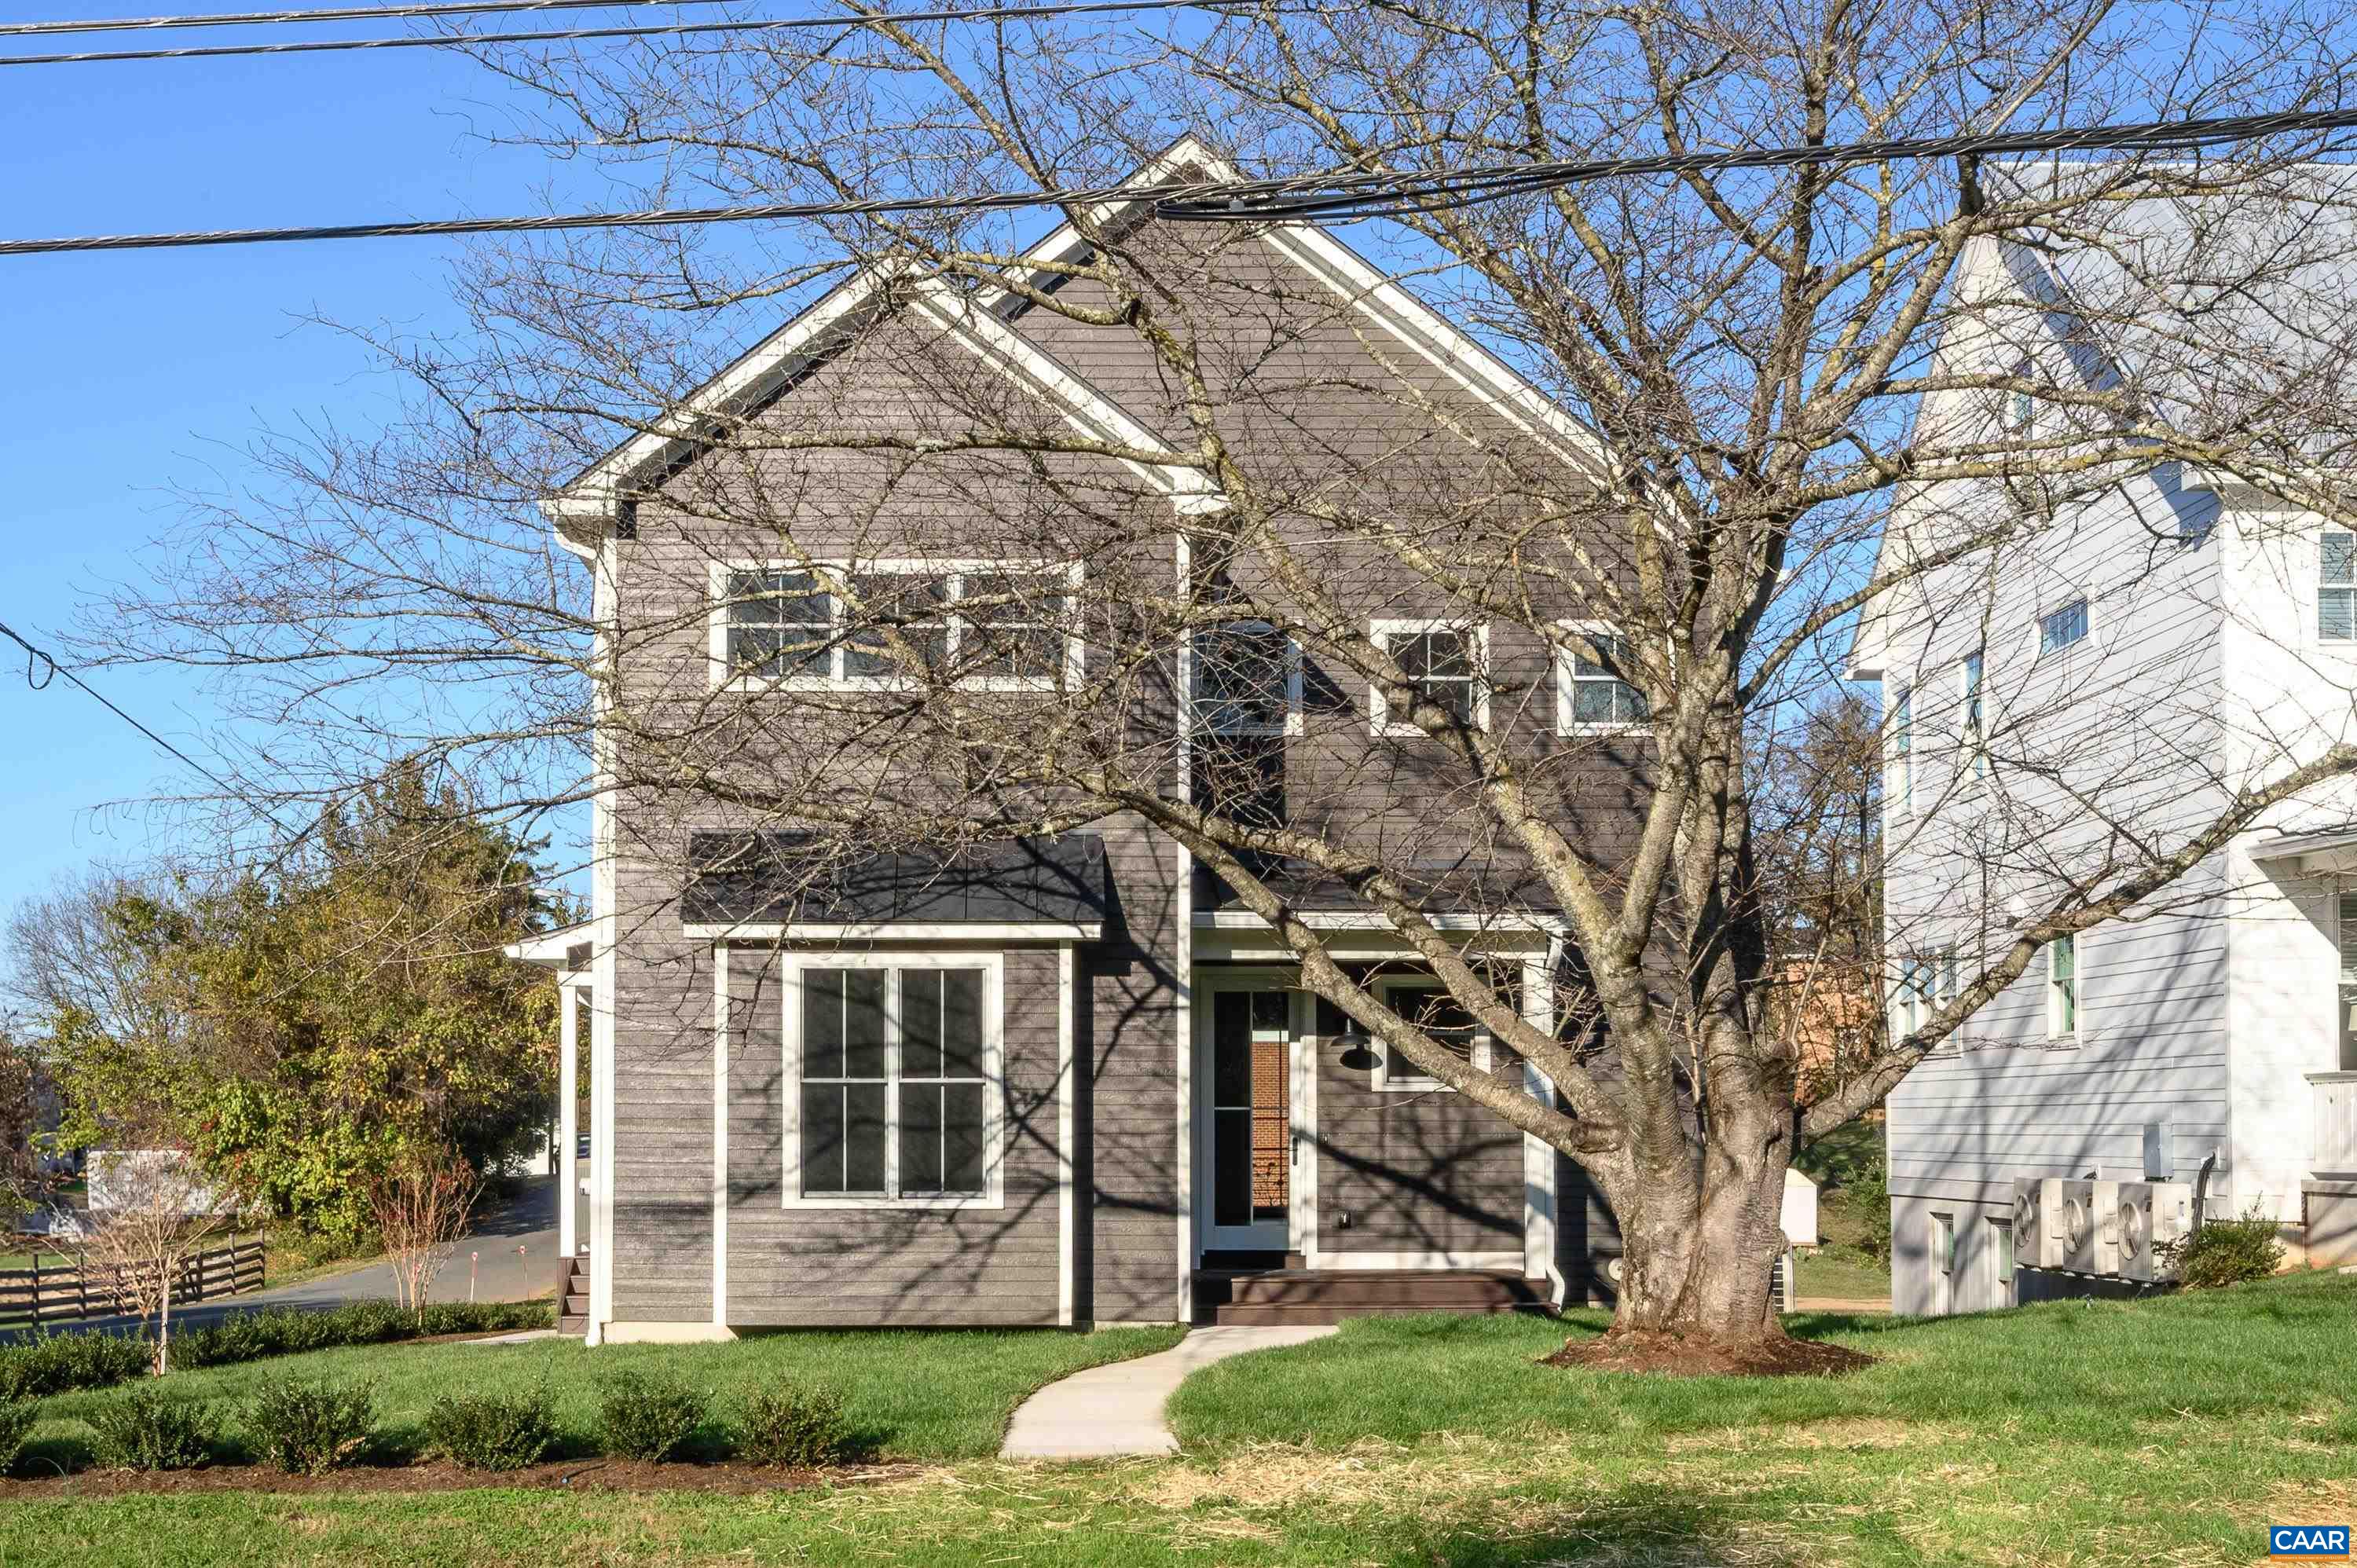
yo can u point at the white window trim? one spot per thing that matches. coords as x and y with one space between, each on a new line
1382 1081
994 1068
2054 1030
1293 684
1944 1243
1378 706
1567 676
1899 777
1972 736
2037 629
830 572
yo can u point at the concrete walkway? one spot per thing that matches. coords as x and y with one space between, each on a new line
1109 1411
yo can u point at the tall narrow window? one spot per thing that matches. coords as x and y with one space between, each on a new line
2001 1243
2347 1000
1446 662
2062 987
2060 628
1975 726
1901 786
2336 586
893 1101
1944 1242
1247 679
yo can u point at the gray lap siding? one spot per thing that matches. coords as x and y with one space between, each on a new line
1411 1173
892 1265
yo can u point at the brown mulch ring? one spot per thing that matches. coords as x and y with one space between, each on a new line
1686 1356
575 1475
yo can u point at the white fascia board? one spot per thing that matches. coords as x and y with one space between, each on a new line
1364 921
902 931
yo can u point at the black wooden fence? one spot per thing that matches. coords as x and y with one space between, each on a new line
60 1287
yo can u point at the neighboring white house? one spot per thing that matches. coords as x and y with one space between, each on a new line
2068 703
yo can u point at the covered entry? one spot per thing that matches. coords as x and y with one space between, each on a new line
1254 1113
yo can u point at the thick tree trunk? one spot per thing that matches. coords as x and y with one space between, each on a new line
1699 1258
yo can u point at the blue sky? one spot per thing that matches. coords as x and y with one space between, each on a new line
131 374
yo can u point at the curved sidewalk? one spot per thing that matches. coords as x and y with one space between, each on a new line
1110 1412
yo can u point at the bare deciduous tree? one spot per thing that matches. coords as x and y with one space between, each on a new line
421 1208
152 1210
1762 368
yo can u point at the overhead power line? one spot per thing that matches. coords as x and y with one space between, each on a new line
1258 200
646 30
340 14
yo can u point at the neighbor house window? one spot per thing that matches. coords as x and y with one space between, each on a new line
1943 1243
1446 661
1591 694
1910 998
2336 586
2060 630
1900 787
1247 679
2020 404
2001 1242
1428 1005
1975 725
2062 987
895 1074
987 625
2346 998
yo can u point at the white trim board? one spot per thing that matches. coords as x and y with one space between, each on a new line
899 931
1406 1260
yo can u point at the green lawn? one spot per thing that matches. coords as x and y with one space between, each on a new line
2164 1431
910 1395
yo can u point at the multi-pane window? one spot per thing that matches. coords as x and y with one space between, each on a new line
1944 1242
2336 586
1975 725
1595 693
2060 628
1247 679
1443 1020
2001 1242
1444 663
1901 786
2345 1000
1910 999
2062 987
985 624
895 1083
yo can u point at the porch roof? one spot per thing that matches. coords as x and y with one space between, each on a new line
2325 851
793 879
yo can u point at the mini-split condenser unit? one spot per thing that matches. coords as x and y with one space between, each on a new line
2091 1227
2037 1223
2152 1216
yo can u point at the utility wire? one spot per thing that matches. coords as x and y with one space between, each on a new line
56 669
1260 200
342 14
649 30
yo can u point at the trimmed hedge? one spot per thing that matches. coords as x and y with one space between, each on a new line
643 1417
309 1429
803 1428
493 1432
149 1431
57 1363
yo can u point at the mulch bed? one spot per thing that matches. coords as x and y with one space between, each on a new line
571 1475
1682 1356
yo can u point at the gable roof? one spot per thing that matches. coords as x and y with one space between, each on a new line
982 323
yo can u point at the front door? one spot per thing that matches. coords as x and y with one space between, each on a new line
1244 1114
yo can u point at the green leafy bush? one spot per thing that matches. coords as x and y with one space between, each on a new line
2226 1251
49 1363
493 1432
309 1429
648 1418
145 1430
800 1428
16 1425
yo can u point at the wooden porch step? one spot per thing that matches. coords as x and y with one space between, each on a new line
1328 1295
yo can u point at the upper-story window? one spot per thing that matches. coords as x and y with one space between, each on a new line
1591 694
2062 987
1247 679
2020 403
1449 662
1975 725
989 626
2336 586
2057 629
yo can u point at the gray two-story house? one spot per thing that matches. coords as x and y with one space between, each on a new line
842 1072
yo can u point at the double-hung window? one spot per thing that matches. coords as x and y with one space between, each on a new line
2062 987
2336 586
1447 661
1910 999
1591 693
990 625
894 1076
1430 1005
1973 726
2057 629
1247 679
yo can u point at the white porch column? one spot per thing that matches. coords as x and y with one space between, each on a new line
1538 1155
568 1119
